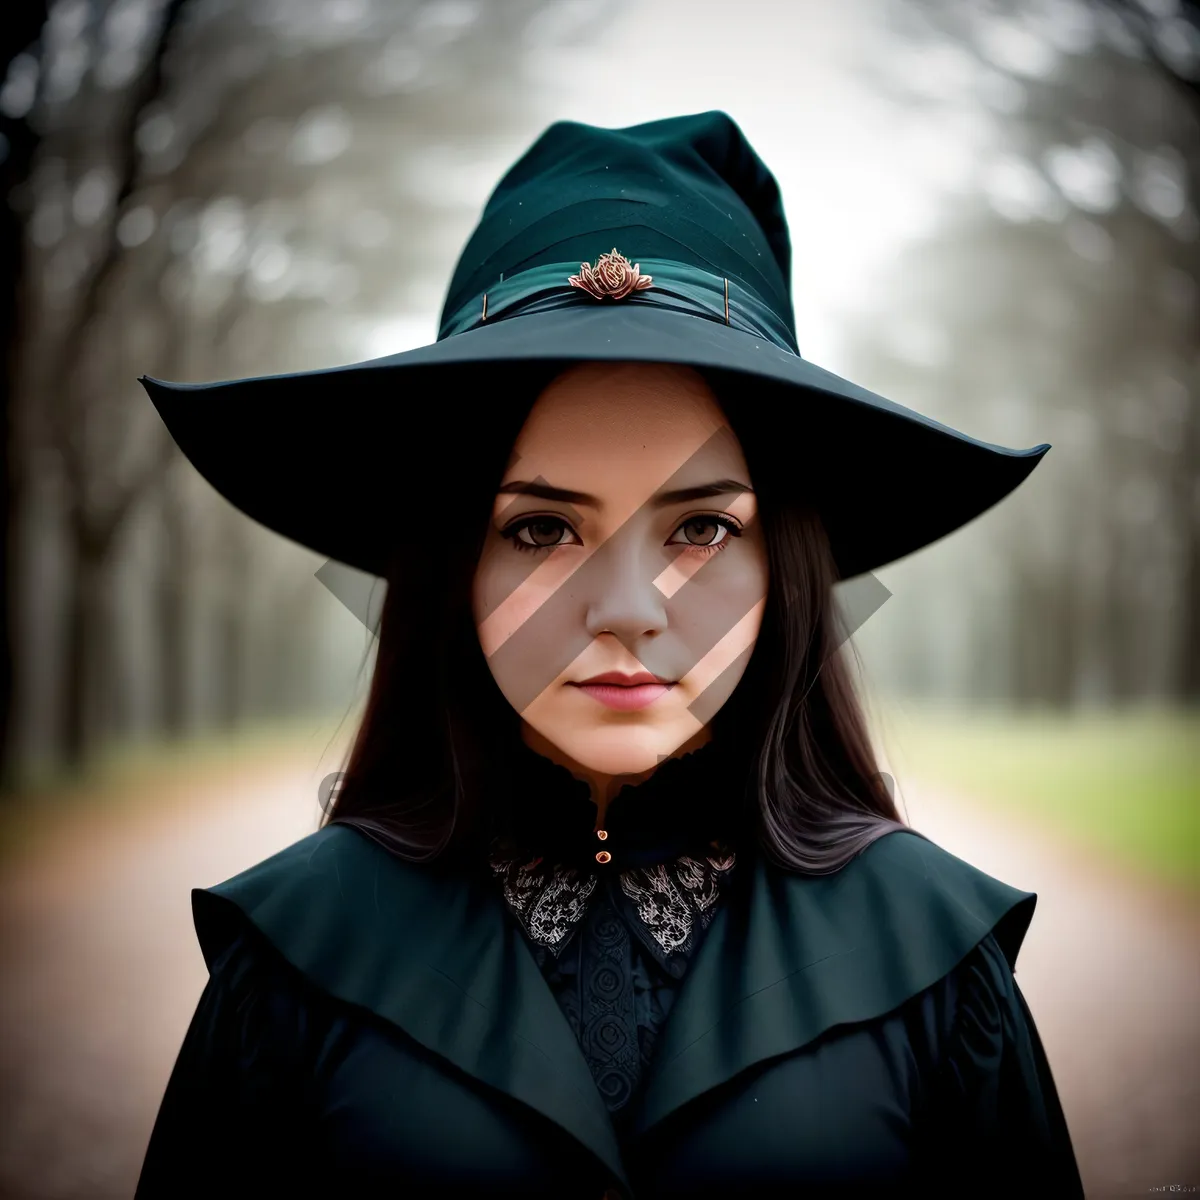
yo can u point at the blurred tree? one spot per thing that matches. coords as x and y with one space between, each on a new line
224 190
72 388
1168 35
20 50
1058 302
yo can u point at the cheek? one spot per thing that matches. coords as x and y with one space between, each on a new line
510 589
716 614
528 620
717 673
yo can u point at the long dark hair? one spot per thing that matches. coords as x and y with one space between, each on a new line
416 779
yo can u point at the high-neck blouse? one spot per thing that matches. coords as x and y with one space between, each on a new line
613 916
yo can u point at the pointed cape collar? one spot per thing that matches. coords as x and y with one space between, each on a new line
689 802
429 948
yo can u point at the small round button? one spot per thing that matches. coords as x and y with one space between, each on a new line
602 834
603 856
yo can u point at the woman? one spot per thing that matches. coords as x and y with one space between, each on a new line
614 900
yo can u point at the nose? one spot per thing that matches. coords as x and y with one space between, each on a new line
623 599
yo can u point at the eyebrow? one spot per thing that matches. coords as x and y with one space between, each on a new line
545 491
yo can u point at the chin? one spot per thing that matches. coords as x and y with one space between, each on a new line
628 750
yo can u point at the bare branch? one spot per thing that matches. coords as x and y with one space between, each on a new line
1141 25
146 89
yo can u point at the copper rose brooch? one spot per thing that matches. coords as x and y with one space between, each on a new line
613 277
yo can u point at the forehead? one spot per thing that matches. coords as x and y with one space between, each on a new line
617 421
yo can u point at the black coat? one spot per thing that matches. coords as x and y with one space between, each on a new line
373 1028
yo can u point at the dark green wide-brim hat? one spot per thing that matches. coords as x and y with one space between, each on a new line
323 457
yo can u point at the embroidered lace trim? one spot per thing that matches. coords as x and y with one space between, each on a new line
674 901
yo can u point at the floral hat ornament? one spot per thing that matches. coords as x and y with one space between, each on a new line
316 455
613 277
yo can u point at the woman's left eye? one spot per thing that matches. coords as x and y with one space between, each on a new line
705 533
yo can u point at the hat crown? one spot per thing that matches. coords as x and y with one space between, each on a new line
690 189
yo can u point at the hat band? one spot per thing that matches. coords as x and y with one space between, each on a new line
676 287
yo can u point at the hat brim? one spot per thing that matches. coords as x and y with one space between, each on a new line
305 454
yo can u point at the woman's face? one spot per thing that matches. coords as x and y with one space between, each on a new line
623 578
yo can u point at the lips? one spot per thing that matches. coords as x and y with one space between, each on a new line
619 679
625 693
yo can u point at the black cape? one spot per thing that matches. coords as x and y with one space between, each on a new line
372 1027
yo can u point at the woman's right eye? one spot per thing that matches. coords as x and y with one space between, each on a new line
538 533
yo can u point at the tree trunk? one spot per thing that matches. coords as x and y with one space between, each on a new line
20 28
1189 642
174 716
86 633
174 611
1188 674
232 645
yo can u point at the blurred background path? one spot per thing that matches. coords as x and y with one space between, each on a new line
1111 971
100 970
100 973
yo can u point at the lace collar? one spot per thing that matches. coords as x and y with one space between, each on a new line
669 845
668 905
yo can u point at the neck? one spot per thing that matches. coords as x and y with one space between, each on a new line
603 786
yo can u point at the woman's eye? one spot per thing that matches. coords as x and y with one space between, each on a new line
704 532
541 533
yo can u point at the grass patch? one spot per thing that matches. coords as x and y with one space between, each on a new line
1126 783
